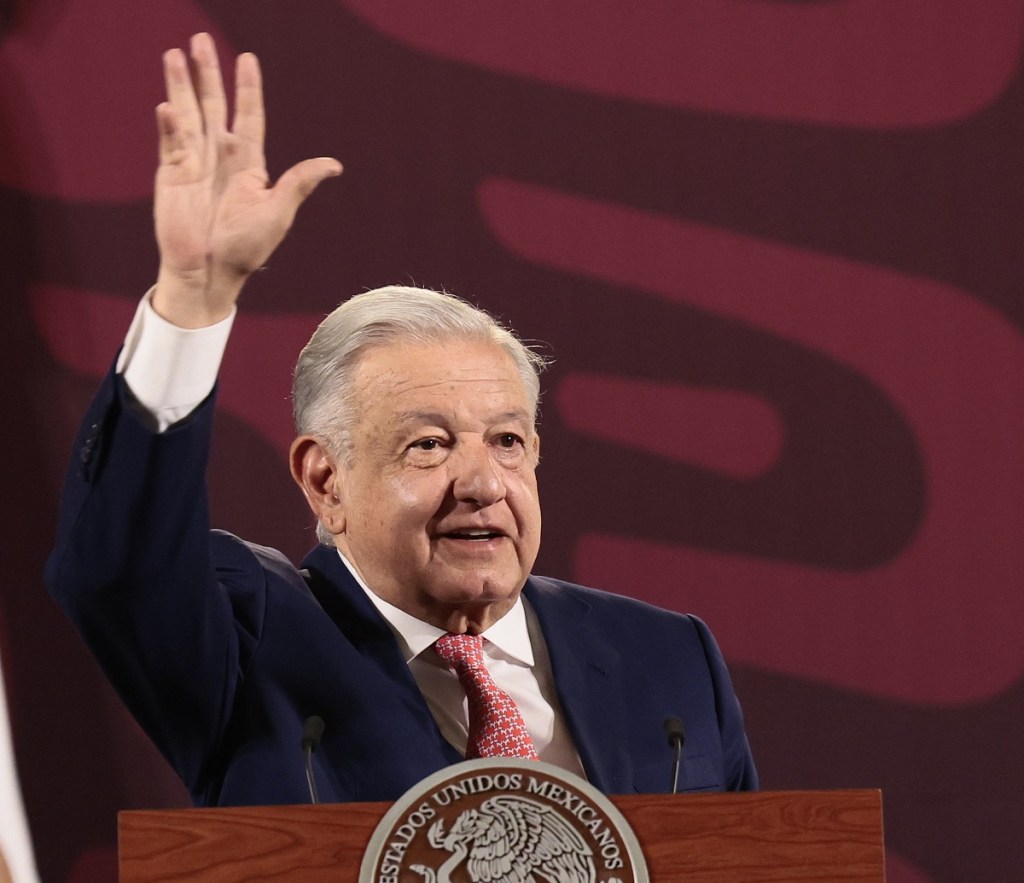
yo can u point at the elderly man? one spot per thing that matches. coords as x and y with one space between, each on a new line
417 452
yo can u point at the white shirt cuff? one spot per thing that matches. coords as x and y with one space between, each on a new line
170 370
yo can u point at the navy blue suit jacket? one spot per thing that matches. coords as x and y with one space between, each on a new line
221 648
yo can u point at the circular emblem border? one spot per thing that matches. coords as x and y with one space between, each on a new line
408 802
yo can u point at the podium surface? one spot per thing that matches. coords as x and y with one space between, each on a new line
689 838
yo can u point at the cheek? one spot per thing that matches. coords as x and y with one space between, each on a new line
524 498
382 505
417 496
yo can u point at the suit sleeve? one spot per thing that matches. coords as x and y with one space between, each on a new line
737 760
133 568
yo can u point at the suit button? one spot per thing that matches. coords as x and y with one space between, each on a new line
89 445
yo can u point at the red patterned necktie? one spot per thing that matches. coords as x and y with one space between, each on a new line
496 727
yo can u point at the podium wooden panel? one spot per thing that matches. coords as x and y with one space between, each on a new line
689 838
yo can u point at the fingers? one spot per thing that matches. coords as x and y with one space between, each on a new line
208 85
181 97
250 119
171 145
198 103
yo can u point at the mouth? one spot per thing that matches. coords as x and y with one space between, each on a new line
474 535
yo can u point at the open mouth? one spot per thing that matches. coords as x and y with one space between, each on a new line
481 535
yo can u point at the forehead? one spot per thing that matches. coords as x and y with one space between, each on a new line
402 377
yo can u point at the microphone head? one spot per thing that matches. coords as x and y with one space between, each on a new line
312 732
674 732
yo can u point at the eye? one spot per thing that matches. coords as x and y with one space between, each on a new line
509 440
426 444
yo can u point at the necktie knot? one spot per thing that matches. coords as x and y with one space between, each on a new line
461 652
496 726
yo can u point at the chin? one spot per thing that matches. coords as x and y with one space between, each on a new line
479 589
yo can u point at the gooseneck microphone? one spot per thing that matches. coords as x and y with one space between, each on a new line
676 736
312 733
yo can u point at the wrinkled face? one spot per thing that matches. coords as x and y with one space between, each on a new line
439 497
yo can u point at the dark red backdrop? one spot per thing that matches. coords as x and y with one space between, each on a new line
776 250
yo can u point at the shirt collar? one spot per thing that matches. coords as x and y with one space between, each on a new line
509 634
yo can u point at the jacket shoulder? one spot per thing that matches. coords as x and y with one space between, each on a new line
618 611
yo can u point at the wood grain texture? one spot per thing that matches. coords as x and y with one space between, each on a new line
712 838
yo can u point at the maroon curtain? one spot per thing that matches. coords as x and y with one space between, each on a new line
775 248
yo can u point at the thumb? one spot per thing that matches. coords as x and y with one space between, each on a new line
301 180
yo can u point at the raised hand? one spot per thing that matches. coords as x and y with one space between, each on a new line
217 217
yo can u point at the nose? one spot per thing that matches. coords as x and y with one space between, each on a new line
476 478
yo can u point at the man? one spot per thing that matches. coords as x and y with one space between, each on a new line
417 452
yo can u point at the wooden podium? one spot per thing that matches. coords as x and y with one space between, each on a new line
689 838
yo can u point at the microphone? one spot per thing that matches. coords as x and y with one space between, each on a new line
676 736
312 733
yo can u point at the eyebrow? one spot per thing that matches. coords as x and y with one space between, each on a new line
407 418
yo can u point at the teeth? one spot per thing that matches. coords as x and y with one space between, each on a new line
474 534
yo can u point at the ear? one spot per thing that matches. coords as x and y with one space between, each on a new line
318 475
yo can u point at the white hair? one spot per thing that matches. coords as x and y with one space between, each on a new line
322 388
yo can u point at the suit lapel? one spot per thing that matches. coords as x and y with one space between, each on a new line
589 684
345 602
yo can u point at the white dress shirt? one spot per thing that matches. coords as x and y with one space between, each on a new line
170 370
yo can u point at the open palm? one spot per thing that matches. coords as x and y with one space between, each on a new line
217 217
